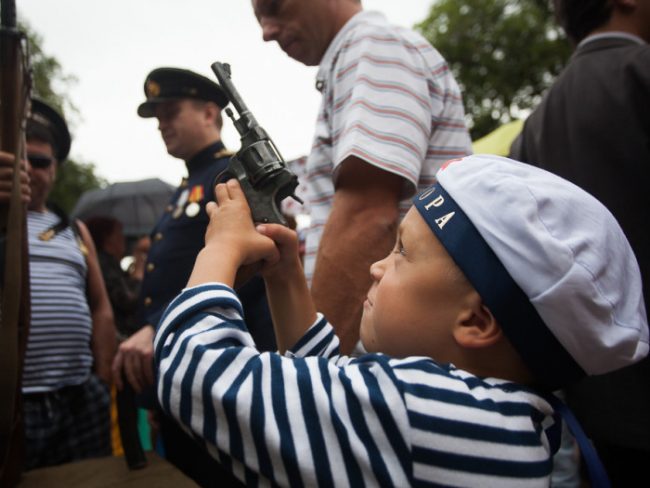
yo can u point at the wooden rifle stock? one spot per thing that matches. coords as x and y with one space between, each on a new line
14 270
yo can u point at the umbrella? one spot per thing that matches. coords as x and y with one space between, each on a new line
136 204
499 140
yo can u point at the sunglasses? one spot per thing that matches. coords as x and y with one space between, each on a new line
39 161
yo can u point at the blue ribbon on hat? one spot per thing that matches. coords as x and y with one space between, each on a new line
551 364
597 473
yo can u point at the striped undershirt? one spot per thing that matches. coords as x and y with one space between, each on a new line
388 98
58 348
313 418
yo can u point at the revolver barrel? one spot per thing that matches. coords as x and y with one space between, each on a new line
258 165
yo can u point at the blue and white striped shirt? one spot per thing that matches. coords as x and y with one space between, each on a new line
314 418
58 347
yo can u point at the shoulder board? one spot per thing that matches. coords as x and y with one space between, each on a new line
223 153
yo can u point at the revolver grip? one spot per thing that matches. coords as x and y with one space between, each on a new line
264 202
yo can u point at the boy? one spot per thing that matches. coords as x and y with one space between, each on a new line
490 296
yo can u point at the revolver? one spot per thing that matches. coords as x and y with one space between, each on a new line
262 173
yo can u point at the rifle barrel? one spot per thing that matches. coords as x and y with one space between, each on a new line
8 14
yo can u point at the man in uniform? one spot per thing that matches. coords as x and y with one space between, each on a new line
188 108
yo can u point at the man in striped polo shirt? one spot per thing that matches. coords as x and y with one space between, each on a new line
391 114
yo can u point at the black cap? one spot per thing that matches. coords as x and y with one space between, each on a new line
164 84
45 122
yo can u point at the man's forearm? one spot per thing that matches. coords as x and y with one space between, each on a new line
351 242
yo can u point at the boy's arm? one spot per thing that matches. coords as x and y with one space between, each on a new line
290 301
291 420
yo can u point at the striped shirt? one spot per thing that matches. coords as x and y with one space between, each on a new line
388 98
314 418
58 347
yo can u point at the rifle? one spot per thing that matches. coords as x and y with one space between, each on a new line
262 173
15 85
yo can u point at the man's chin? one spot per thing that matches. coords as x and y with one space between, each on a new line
294 52
172 151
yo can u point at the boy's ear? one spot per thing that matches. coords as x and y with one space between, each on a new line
476 327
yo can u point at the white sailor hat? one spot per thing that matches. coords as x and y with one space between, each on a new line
548 259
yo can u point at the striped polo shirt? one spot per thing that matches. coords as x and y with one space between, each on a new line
314 418
58 347
388 98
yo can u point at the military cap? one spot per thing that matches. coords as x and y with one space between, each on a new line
46 123
164 84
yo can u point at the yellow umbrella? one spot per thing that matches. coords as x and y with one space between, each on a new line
499 140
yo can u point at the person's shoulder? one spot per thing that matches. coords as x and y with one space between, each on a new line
377 38
375 27
638 57
624 51
630 59
420 370
223 153
213 164
220 160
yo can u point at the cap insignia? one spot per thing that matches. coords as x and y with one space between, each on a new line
152 89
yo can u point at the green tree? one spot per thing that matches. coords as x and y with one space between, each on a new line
75 177
46 71
72 180
504 54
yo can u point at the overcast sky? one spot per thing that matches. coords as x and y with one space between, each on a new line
110 46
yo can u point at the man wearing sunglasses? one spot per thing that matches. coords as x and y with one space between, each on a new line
66 375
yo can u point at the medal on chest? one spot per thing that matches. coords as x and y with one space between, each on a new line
180 203
194 207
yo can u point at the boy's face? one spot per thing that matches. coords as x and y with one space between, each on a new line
418 295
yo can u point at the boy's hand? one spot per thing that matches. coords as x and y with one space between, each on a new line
231 240
231 227
286 240
6 178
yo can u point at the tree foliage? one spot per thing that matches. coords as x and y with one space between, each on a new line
50 83
72 179
503 53
47 72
